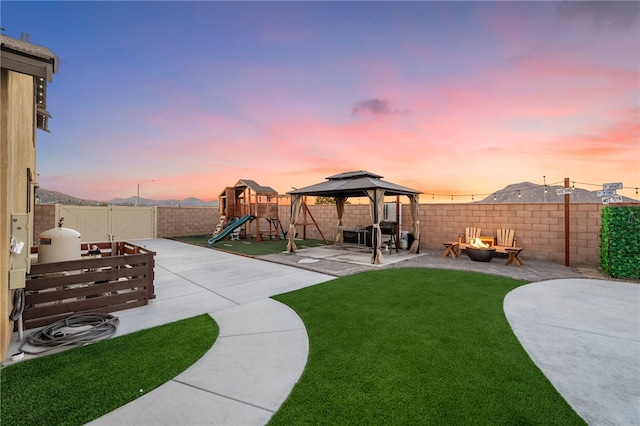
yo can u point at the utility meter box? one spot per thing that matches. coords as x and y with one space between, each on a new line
17 278
20 252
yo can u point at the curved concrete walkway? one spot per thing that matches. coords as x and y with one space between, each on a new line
257 359
260 352
585 337
583 334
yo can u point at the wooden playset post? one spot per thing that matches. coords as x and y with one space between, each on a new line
305 212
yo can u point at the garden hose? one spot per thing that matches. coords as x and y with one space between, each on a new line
18 305
91 328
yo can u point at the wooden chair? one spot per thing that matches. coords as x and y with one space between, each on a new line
469 234
505 238
508 244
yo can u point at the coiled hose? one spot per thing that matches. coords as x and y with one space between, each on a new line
18 304
92 327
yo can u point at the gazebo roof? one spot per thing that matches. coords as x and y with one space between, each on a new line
353 184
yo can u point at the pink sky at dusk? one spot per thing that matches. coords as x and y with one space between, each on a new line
450 98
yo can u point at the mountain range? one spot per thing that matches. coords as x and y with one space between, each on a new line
527 192
524 192
187 202
46 196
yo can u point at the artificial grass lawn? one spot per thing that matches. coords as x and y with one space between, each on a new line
82 384
416 346
249 247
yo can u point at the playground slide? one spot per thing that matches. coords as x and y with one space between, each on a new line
229 229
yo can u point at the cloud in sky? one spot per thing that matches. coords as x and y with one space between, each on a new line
287 93
601 13
374 107
371 107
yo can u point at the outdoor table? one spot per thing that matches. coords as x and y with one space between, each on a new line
361 234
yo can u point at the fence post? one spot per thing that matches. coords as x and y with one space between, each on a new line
567 227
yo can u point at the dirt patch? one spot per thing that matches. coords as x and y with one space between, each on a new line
595 272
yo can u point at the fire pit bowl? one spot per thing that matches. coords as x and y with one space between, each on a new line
481 254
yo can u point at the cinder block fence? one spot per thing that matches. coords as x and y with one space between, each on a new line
539 227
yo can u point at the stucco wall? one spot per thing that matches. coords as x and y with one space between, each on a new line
17 156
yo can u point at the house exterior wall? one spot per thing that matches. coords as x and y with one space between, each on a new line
17 159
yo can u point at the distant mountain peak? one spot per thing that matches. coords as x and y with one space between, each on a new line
527 192
46 196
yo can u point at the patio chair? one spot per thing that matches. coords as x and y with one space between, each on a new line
235 234
506 238
470 233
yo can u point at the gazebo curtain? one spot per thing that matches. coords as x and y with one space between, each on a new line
415 210
340 202
296 204
376 202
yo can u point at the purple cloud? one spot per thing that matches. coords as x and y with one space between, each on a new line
374 106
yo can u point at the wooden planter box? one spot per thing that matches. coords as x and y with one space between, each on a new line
121 277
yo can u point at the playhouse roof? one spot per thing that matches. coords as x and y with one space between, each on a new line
255 187
353 184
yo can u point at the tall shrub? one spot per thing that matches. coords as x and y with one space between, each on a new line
620 241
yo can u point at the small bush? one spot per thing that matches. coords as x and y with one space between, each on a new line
620 241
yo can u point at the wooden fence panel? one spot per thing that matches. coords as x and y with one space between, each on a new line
121 279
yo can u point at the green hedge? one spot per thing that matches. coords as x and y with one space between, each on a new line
620 241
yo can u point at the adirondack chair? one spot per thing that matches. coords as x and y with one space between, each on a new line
505 238
469 234
507 243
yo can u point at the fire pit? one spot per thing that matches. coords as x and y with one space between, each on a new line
481 254
479 251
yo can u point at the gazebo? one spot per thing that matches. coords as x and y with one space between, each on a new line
351 185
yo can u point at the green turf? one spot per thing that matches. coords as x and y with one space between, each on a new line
416 347
249 247
82 384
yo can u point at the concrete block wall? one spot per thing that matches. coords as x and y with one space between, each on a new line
186 221
44 218
539 227
326 217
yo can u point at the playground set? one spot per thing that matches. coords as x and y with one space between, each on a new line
248 210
